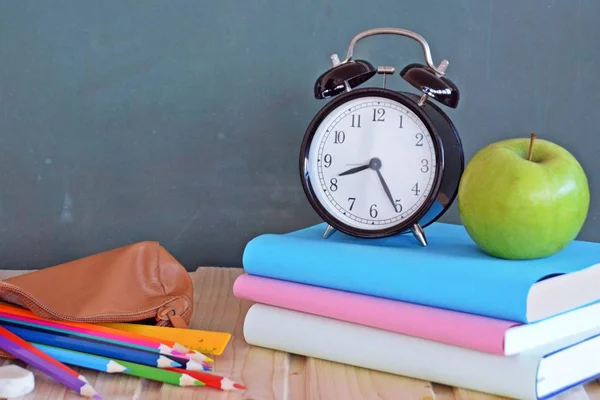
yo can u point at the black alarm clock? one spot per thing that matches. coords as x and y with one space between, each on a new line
375 162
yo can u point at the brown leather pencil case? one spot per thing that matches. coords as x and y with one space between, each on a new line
140 282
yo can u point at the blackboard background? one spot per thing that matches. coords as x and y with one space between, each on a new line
180 121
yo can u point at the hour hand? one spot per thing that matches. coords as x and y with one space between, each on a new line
355 170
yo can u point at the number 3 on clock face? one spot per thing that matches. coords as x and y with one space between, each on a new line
371 164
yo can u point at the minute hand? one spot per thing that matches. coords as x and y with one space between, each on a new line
386 188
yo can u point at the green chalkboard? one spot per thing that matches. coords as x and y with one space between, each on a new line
181 121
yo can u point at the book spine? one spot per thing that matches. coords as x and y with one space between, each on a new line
367 347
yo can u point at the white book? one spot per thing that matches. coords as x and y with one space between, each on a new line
535 374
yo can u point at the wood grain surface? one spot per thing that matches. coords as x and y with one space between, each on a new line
268 374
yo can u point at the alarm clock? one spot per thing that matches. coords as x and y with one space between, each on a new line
376 162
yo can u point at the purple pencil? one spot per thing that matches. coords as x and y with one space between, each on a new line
19 348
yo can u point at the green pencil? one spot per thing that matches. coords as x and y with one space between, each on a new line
159 374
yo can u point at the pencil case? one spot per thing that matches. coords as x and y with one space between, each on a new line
139 283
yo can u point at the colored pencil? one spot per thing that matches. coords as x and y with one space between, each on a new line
54 361
84 360
164 346
211 380
161 375
91 347
19 348
86 333
185 362
58 327
190 365
164 334
98 363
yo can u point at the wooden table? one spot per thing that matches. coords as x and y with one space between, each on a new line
268 374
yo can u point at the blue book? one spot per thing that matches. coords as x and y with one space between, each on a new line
451 272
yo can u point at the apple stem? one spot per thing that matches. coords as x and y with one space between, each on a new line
530 154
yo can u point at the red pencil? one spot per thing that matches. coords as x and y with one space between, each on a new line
211 380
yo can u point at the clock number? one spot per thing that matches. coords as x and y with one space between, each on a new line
425 165
355 121
327 160
378 114
416 189
373 211
340 136
352 200
419 136
401 121
398 206
333 187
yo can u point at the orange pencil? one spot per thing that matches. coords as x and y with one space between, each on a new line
158 343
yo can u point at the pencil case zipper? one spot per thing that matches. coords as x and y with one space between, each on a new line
164 314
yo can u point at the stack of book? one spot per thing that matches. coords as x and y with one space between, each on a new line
445 313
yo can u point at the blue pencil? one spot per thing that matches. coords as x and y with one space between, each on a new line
76 358
91 347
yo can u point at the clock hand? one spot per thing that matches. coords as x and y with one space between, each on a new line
386 188
355 170
375 164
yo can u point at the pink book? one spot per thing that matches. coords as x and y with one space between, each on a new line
476 332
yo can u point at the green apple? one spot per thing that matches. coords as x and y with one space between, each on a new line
523 198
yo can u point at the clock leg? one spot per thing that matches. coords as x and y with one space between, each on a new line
328 232
419 234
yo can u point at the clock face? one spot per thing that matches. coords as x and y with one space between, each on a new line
372 163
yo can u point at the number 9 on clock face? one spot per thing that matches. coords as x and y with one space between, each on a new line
371 164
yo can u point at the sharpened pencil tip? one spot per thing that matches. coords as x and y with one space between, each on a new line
165 362
88 391
177 353
114 366
164 348
186 380
201 357
180 347
228 384
192 365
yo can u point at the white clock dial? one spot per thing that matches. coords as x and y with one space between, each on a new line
360 144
